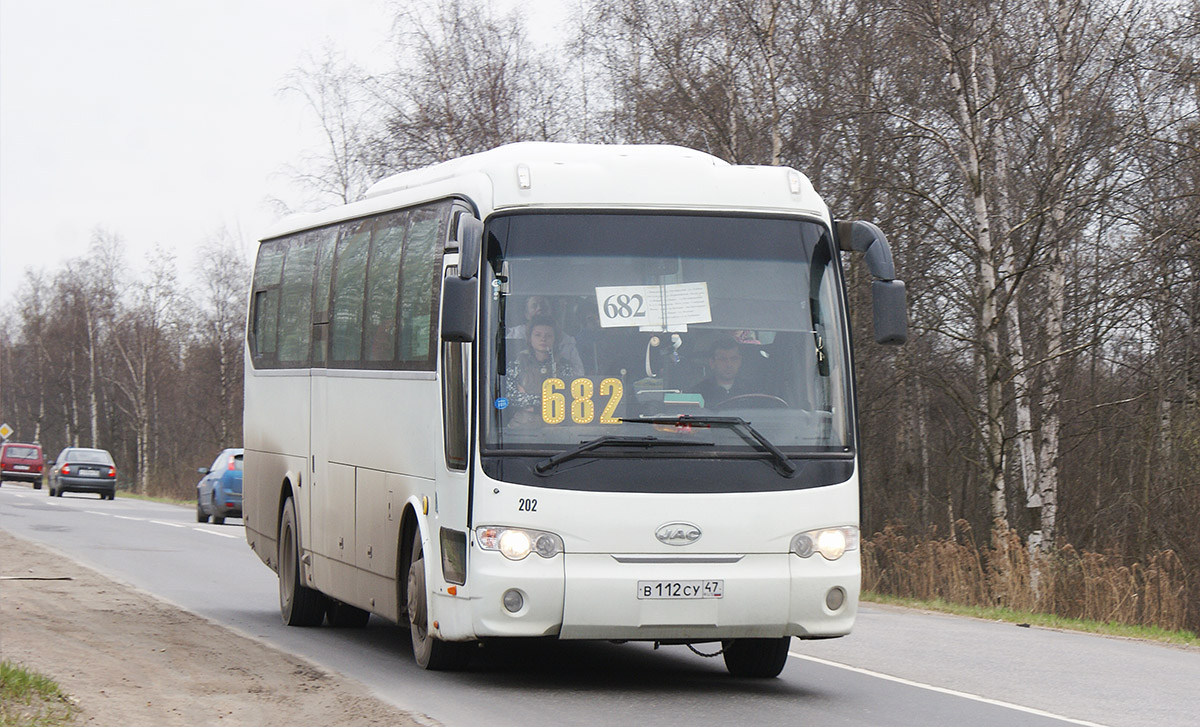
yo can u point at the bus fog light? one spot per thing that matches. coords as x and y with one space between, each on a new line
513 600
835 599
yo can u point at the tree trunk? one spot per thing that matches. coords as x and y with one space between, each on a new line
93 404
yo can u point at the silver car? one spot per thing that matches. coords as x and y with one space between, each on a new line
84 470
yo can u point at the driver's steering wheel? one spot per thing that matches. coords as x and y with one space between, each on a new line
753 401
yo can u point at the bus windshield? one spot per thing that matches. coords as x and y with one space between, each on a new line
595 323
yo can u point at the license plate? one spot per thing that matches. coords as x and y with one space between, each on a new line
20 466
88 473
680 589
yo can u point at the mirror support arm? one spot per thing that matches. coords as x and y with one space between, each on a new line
887 293
865 237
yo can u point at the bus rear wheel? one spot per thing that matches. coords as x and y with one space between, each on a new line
756 658
298 604
429 651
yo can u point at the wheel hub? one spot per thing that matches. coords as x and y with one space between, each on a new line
417 613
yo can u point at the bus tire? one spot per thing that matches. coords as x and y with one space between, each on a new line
756 658
429 651
298 604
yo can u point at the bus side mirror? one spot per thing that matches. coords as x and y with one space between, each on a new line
470 245
890 311
888 295
460 302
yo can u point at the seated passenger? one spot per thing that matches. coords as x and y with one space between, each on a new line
724 364
538 306
531 367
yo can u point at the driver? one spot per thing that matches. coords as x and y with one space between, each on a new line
724 364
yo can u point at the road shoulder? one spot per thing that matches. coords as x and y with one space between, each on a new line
128 658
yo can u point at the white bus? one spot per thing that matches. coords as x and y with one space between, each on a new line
572 391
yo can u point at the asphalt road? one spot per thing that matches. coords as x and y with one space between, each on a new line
899 667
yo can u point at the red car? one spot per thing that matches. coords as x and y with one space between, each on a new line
21 462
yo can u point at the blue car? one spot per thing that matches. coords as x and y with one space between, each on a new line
219 493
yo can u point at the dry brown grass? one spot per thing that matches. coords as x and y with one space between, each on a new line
1067 583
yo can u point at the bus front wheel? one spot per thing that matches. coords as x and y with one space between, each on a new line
756 658
298 604
429 651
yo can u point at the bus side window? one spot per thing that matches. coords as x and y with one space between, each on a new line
265 317
383 279
266 312
421 286
326 240
454 400
295 303
349 283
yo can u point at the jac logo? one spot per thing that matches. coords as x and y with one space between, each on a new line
678 533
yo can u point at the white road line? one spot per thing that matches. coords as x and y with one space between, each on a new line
164 522
97 512
944 690
126 517
214 532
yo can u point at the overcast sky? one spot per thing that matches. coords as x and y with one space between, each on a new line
160 121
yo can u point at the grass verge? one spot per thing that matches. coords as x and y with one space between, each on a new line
155 498
1045 620
29 699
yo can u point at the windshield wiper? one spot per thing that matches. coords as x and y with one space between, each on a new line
785 465
550 463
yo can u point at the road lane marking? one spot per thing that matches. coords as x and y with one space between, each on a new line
97 512
126 517
172 525
944 690
214 532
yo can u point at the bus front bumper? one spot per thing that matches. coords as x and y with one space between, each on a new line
603 596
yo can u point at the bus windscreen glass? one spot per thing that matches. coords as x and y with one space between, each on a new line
594 321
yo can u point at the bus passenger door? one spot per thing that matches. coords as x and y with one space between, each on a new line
453 487
453 482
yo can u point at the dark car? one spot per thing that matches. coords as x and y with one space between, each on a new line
219 492
22 462
84 470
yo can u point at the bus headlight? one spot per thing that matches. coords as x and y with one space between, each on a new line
518 543
831 543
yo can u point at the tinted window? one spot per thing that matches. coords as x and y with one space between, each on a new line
349 281
420 287
265 314
383 279
364 292
295 300
97 456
